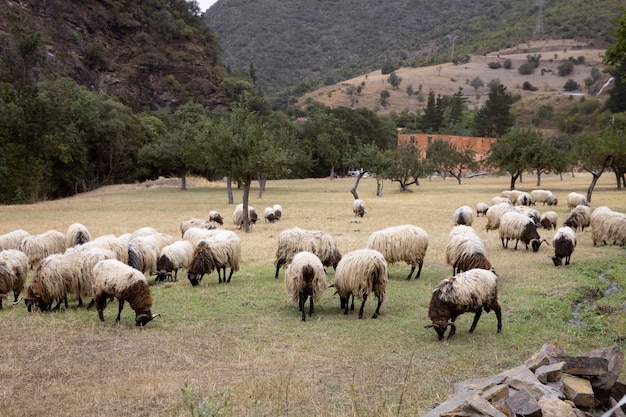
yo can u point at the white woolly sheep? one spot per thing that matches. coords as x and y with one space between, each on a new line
13 273
481 208
523 199
39 246
514 225
172 258
269 215
501 200
77 234
49 283
470 291
575 199
494 213
406 243
579 218
530 213
278 211
548 220
144 251
195 222
511 195
113 243
463 215
465 250
543 196
238 215
294 240
216 253
12 239
358 207
196 234
305 278
564 242
216 217
360 273
114 279
607 225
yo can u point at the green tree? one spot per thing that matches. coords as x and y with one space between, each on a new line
616 54
543 158
443 157
509 152
432 120
394 80
384 98
409 90
494 119
476 83
370 159
405 166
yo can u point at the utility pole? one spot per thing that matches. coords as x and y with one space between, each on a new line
453 39
539 24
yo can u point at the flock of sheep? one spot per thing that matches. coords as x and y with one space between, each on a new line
116 267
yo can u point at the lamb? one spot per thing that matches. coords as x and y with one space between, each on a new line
465 250
579 218
195 222
278 211
217 253
294 240
517 226
494 213
543 196
13 273
548 220
238 215
269 215
358 274
172 258
463 215
39 246
305 279
406 243
481 208
12 239
114 279
216 217
358 207
608 225
564 242
77 234
470 291
575 199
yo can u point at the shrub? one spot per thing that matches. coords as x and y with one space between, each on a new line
526 68
566 68
571 85
508 64
528 86
494 65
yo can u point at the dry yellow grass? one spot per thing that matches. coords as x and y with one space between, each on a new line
245 339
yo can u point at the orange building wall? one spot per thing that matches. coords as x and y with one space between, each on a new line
480 146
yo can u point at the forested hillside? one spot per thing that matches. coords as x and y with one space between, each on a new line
298 45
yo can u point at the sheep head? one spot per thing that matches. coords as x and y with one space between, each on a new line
557 261
34 298
144 317
194 278
441 329
536 243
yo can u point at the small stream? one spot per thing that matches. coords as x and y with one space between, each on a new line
611 287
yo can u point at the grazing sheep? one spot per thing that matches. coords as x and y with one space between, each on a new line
548 220
12 239
294 240
575 199
494 213
39 246
13 273
564 242
358 274
278 211
114 279
481 208
514 225
172 258
145 250
194 222
113 243
269 215
465 250
305 279
49 283
470 291
608 225
512 195
196 234
463 215
543 196
358 207
77 234
216 217
216 253
406 243
523 199
530 213
579 218
501 200
238 215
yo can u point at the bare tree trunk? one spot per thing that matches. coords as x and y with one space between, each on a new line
246 194
538 178
596 176
183 179
353 189
229 190
262 182
379 187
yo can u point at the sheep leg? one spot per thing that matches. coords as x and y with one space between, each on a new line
352 305
301 302
279 264
362 306
567 259
80 302
516 242
229 276
91 303
505 246
411 273
377 309
498 311
310 306
119 312
476 317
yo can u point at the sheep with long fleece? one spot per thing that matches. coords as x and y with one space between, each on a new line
113 243
49 283
269 214
481 208
77 234
12 239
575 199
195 222
514 225
579 218
172 258
358 207
360 273
463 215
467 292
114 279
278 211
144 251
607 225
196 234
295 239
523 199
564 242
39 246
407 243
216 217
543 196
512 195
549 219
305 278
13 273
465 250
494 213
238 215
217 253
501 200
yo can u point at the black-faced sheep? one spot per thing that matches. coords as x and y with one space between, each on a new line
463 215
465 250
358 207
305 279
278 211
39 246
543 196
514 225
470 291
195 222
216 217
172 258
295 239
608 225
360 273
216 253
548 220
481 208
269 215
403 243
575 199
579 218
13 273
238 215
114 279
523 199
564 242
12 239
77 234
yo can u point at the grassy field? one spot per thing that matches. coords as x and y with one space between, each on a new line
241 349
